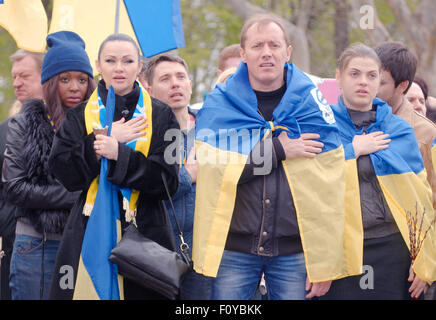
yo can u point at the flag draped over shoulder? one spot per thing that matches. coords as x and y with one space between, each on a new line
26 22
97 277
227 129
401 174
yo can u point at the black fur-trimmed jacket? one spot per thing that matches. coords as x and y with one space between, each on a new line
28 184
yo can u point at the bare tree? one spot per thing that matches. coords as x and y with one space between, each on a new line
418 32
341 26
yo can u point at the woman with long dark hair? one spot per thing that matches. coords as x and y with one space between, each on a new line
44 203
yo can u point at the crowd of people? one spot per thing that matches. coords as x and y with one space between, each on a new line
308 193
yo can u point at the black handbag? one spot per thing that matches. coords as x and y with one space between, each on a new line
149 264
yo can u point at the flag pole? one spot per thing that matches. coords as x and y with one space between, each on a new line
117 17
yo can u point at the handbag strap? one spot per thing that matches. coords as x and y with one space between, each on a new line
184 247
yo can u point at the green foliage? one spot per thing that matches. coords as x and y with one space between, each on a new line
7 96
208 27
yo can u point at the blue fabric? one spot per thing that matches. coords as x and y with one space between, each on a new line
101 230
157 25
240 273
25 275
66 53
403 154
231 108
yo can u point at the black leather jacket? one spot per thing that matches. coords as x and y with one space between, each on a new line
264 220
27 182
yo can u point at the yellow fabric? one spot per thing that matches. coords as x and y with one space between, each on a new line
321 216
92 120
328 241
26 22
215 200
84 288
403 192
93 20
353 222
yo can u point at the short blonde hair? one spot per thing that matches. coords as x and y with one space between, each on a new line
21 54
263 19
231 51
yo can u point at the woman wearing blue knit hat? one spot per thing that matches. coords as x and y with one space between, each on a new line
44 203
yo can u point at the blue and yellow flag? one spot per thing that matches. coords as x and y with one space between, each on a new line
162 30
227 129
401 174
97 277
155 25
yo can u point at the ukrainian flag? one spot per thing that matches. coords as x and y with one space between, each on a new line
227 129
401 175
97 277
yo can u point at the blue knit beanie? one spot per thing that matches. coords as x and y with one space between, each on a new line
66 53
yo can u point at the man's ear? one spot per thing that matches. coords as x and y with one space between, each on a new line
403 86
289 52
242 54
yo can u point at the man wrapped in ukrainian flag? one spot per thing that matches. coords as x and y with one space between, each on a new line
259 207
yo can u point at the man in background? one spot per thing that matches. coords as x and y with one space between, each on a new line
398 71
168 80
26 75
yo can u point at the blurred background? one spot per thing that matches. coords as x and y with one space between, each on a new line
319 29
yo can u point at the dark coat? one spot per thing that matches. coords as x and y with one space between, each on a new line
7 223
7 210
27 182
74 162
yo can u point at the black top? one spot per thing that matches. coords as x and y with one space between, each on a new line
376 215
264 220
74 162
268 101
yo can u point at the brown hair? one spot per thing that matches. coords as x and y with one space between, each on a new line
356 50
399 61
153 62
231 51
422 84
53 101
262 20
119 37
21 54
